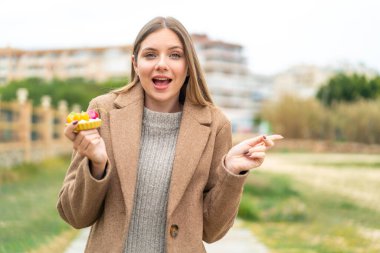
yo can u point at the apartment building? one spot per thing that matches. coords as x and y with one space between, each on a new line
305 80
97 64
229 80
300 80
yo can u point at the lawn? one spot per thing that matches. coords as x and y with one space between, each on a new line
315 203
295 203
28 217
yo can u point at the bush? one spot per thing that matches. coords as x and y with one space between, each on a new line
358 122
299 118
309 119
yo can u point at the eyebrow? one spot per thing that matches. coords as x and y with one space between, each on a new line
154 49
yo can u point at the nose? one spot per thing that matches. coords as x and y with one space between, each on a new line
161 63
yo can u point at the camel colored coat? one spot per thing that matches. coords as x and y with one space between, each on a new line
203 196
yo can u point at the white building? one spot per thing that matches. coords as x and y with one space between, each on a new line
91 63
228 79
300 80
305 80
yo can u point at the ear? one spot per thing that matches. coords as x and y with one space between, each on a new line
134 62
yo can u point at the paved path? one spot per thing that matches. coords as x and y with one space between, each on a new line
237 240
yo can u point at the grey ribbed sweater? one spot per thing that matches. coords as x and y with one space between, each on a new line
146 232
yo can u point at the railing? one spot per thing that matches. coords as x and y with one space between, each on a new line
30 133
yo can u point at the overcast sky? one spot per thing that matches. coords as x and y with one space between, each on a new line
276 34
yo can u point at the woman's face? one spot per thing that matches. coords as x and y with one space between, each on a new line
162 68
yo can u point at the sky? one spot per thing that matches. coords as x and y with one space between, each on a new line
275 34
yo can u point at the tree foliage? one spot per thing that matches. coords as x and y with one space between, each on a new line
349 88
74 91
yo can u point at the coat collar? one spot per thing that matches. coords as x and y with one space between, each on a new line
126 125
136 95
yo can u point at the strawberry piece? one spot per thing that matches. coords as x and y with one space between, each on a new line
93 114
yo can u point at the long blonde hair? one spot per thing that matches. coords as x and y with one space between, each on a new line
195 87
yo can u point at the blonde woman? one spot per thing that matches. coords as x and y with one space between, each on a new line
159 175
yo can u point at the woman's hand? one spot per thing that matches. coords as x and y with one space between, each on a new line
249 154
89 143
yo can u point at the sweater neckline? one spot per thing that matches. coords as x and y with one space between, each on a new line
162 120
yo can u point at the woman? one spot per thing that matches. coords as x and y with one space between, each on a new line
160 174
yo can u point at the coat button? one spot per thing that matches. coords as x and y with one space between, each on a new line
174 230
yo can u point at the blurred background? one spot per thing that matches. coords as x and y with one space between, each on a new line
309 70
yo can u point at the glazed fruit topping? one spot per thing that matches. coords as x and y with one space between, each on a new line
86 116
93 114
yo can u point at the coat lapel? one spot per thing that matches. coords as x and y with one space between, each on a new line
125 124
192 139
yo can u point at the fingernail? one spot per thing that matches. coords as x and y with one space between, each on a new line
75 122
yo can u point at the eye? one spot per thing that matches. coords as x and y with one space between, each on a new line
150 55
175 56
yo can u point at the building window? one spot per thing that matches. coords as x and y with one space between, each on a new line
7 115
6 135
34 135
36 119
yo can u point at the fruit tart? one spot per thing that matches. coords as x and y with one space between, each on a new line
86 120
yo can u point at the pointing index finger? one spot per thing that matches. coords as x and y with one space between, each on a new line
269 140
275 137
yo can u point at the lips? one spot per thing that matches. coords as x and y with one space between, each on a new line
161 83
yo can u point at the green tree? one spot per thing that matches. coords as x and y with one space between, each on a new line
74 91
349 88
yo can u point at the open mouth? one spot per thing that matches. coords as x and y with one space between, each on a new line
161 83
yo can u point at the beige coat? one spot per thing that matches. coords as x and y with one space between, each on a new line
203 196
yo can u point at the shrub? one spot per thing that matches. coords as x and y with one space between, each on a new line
358 122
299 118
309 119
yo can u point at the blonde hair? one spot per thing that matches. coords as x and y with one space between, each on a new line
195 87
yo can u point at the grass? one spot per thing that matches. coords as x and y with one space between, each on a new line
274 195
299 203
28 195
58 243
360 185
357 165
290 215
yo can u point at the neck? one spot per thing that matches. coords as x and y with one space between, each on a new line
175 106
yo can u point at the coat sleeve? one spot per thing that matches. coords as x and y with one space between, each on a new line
223 191
81 198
